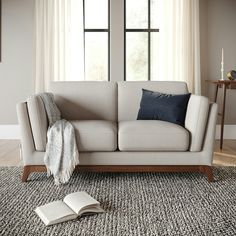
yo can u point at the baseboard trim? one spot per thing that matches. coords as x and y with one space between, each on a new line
9 132
229 132
13 132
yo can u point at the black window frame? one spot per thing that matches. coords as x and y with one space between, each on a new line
98 30
149 30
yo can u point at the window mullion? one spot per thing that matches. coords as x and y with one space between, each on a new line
117 31
91 29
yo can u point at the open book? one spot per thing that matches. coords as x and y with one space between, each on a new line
73 205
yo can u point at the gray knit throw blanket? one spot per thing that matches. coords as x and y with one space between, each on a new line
61 154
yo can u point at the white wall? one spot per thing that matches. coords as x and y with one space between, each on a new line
17 66
218 30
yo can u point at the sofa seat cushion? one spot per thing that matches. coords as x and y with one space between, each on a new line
148 135
95 135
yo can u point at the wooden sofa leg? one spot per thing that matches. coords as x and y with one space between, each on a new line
207 170
26 173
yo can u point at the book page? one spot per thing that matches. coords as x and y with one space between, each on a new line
91 210
55 212
80 200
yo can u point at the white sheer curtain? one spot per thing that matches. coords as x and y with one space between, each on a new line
59 42
179 57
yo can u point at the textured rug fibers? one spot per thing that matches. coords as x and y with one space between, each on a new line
135 203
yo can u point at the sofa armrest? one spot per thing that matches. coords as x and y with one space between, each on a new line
38 121
209 139
27 142
196 120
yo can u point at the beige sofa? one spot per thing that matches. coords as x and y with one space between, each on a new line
110 138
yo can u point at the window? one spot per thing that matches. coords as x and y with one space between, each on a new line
141 40
96 39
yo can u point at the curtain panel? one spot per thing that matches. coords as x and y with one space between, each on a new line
179 56
59 42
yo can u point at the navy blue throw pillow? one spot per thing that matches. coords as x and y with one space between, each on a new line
166 107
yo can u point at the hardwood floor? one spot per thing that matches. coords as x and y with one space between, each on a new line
10 153
226 156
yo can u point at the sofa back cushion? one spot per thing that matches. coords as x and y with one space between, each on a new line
130 94
85 100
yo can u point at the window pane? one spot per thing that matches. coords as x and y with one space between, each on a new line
136 14
96 56
75 63
154 55
136 56
96 14
154 14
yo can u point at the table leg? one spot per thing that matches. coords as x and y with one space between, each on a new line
223 116
216 93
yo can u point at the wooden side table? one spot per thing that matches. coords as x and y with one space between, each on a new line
225 84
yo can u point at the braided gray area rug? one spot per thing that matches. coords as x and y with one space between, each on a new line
135 204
